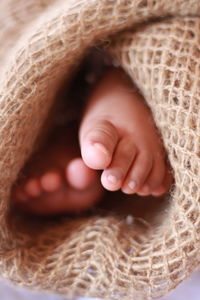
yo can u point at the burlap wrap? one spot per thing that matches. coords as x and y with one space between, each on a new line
41 43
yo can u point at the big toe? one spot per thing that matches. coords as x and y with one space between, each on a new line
98 140
79 176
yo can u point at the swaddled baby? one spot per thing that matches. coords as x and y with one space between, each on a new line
115 134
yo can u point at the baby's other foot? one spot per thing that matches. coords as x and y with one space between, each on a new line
56 180
118 135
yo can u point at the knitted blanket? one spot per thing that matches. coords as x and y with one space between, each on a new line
157 42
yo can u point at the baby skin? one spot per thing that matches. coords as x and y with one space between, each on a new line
117 135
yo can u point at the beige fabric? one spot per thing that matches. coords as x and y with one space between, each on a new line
42 42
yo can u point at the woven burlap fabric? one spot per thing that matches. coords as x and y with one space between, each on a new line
42 42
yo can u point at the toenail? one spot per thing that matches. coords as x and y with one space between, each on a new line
112 179
132 185
101 147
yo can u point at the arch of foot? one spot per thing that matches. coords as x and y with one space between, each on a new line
82 253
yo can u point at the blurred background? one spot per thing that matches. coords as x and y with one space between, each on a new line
187 290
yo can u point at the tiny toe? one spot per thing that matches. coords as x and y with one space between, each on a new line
159 191
98 141
51 181
79 176
20 196
138 173
144 191
111 181
156 177
32 187
113 177
165 186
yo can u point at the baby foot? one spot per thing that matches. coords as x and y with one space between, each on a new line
57 180
118 135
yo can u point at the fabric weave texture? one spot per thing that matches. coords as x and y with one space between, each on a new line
157 43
